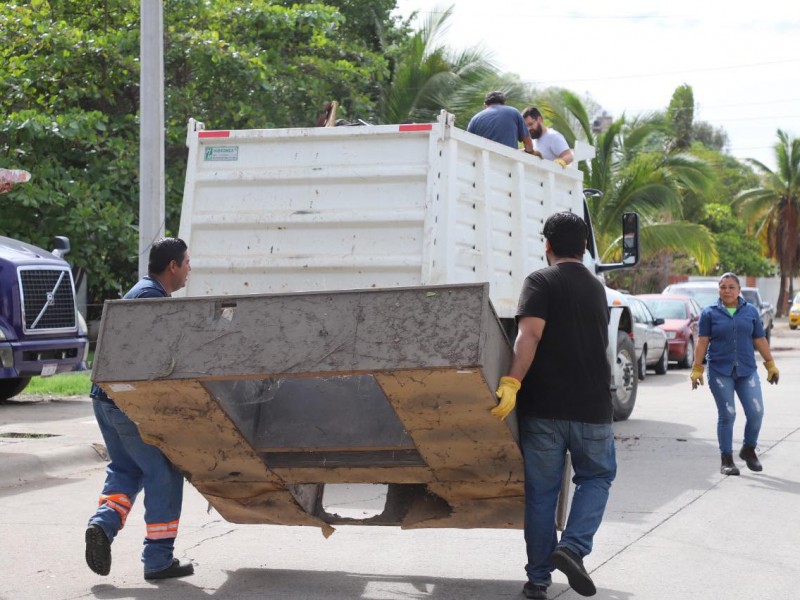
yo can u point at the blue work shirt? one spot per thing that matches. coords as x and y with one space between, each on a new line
147 287
731 337
501 123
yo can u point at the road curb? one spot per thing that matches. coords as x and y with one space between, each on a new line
22 468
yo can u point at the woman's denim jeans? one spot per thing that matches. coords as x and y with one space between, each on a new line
749 391
545 443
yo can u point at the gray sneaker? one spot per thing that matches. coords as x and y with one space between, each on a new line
571 565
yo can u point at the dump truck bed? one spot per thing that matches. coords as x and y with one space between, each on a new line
336 208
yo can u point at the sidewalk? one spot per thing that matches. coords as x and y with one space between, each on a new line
42 438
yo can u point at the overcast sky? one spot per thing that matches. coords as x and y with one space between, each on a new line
742 59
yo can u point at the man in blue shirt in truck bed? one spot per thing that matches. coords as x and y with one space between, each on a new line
501 123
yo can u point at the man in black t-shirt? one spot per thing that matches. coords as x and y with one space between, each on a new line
561 376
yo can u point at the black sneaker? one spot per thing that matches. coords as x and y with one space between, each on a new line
537 592
178 568
571 565
98 550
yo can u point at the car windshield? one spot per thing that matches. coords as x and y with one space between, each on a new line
704 296
667 309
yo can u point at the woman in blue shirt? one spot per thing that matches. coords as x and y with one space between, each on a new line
729 330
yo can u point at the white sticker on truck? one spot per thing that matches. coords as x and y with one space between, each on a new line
221 153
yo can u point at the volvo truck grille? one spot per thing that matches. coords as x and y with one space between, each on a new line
48 300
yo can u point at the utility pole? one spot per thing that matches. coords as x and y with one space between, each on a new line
151 129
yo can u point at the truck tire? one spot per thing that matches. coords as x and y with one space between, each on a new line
11 387
624 397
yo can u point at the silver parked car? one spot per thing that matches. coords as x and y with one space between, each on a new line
652 348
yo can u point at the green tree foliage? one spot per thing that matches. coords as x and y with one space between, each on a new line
729 178
428 77
635 177
70 85
772 209
680 117
738 252
78 140
714 138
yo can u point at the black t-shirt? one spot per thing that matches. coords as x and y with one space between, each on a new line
570 377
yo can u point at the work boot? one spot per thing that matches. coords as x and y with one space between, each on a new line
536 592
728 466
748 455
178 568
571 565
98 550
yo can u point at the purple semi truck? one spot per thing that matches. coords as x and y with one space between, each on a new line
41 331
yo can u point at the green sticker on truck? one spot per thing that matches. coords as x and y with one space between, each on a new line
222 153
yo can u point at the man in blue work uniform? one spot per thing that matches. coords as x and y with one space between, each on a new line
501 123
135 464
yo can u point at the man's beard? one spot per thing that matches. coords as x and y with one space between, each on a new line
536 133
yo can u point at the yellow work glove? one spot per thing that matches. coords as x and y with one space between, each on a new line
562 162
507 394
772 371
697 375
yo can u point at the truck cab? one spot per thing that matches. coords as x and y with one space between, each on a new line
41 331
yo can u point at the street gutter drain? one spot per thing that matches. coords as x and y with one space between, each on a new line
13 434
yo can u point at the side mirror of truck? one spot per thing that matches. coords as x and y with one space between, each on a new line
630 244
630 239
61 246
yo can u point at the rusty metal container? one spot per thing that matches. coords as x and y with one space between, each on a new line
262 400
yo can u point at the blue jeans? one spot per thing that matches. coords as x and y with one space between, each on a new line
136 465
748 389
545 443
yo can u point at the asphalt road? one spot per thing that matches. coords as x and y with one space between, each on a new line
674 528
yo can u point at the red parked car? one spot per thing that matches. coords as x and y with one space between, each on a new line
681 315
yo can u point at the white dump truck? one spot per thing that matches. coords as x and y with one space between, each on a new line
373 207
346 321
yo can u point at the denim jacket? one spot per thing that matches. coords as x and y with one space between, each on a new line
147 287
731 337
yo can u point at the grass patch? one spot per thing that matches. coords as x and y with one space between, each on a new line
64 384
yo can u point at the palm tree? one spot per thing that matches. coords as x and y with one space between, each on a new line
427 77
635 176
773 208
